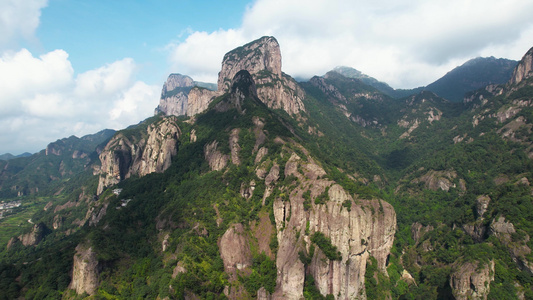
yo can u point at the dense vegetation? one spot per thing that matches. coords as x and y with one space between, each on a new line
422 154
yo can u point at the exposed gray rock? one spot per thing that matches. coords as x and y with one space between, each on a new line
84 271
524 69
482 204
174 95
217 161
35 236
418 231
235 250
435 180
501 228
472 280
367 229
476 230
127 155
234 146
199 100
262 59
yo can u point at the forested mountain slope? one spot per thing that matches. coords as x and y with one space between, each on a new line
273 189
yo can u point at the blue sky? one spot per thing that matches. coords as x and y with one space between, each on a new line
98 32
72 67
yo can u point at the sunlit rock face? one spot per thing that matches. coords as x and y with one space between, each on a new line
84 271
174 96
262 59
524 69
150 152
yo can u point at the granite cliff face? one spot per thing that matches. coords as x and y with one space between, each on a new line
175 81
262 59
311 203
199 100
85 271
472 280
174 96
364 229
182 96
126 155
32 238
524 69
263 54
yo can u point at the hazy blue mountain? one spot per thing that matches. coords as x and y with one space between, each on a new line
472 75
8 156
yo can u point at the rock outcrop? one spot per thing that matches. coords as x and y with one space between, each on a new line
199 100
128 154
524 69
217 161
175 81
435 180
235 250
35 236
262 55
418 231
174 95
518 248
472 280
181 96
262 59
358 228
84 271
482 205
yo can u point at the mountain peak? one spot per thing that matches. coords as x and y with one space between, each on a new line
262 59
472 75
356 74
263 54
175 81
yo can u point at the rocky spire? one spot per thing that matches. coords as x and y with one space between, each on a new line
175 81
262 59
174 96
258 56
524 69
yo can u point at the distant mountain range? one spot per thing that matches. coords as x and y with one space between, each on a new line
8 156
470 76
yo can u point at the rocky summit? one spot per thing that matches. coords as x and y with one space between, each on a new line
261 58
270 188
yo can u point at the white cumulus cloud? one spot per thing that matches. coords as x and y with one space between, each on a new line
43 100
19 18
201 53
404 43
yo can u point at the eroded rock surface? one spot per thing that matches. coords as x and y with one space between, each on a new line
174 96
524 69
366 229
472 280
126 155
235 250
35 236
217 161
262 59
85 271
